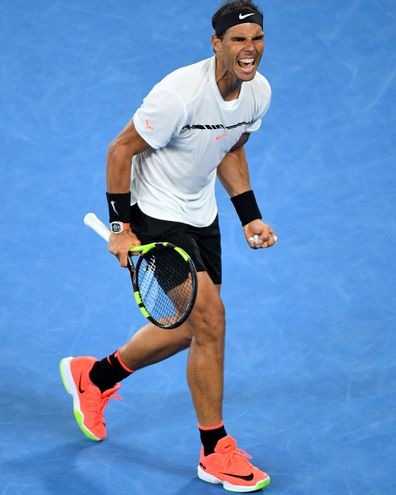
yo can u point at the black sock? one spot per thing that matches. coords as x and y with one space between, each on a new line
210 437
109 371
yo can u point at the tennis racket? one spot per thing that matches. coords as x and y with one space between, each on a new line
164 279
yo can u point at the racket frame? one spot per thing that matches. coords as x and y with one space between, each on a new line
134 270
92 221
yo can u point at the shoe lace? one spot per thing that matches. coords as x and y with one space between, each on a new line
106 396
235 455
97 402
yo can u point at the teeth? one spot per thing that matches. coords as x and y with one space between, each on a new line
247 60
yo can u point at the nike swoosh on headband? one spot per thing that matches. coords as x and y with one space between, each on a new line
245 15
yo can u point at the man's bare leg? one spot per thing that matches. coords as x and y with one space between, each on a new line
204 334
206 357
152 344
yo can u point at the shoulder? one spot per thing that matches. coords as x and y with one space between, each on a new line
189 81
259 90
260 86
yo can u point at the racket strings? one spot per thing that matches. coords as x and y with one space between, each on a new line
165 284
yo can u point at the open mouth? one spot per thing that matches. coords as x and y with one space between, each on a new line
247 64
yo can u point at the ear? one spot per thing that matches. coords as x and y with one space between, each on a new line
216 43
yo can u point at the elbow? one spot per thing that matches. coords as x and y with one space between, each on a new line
113 150
118 152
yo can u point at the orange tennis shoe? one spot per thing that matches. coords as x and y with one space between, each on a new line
230 466
88 400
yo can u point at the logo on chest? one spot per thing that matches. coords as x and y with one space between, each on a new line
217 136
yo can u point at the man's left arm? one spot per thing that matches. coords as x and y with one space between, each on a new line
233 173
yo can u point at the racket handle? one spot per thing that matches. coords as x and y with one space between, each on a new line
95 224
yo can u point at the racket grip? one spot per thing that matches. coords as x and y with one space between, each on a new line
95 224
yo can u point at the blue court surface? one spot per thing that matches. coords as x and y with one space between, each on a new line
310 385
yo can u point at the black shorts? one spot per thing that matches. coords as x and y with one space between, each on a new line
201 243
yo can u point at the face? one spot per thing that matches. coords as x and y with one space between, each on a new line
240 50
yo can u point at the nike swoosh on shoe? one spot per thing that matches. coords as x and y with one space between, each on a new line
248 477
79 386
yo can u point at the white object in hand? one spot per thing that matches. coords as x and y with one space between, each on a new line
99 227
256 239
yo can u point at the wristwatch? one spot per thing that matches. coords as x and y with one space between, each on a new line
118 227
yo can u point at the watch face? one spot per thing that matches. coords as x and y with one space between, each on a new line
116 227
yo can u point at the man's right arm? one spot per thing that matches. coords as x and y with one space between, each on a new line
118 180
118 168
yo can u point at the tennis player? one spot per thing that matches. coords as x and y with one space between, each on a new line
191 127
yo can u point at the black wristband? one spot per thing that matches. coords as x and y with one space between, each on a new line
246 207
119 207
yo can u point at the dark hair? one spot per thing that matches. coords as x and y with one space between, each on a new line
233 6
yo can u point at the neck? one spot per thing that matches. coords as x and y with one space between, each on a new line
229 86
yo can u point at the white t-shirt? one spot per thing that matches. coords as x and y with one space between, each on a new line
190 128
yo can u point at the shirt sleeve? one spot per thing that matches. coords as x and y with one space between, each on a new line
161 116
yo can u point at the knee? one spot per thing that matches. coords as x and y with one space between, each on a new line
209 321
